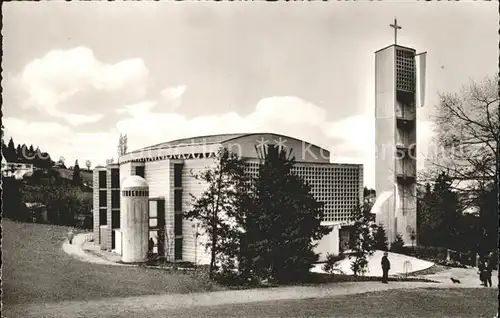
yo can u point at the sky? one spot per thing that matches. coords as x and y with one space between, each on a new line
77 74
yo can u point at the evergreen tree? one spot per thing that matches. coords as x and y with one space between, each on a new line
45 161
10 152
217 209
488 219
398 244
11 145
380 238
19 153
424 212
361 240
77 180
282 221
446 213
25 155
439 217
37 160
12 200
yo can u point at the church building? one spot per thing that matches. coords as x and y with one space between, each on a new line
168 169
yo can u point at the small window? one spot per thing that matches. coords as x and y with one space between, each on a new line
153 209
102 179
115 178
115 219
153 222
161 213
115 199
140 171
103 199
103 218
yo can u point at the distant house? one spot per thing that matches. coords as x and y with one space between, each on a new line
16 169
59 165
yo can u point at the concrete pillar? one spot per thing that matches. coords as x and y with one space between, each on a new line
134 219
330 243
335 239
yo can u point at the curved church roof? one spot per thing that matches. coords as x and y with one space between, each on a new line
200 140
243 143
209 140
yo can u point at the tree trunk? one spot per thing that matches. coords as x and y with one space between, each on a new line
214 242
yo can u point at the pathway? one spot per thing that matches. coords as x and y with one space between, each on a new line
121 306
77 250
117 307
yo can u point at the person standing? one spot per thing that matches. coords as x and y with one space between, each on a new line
487 274
482 272
386 266
151 245
70 237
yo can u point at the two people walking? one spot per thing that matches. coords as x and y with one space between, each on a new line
485 269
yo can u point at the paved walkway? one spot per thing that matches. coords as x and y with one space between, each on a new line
77 250
121 307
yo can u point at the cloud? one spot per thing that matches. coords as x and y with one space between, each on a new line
282 115
173 95
52 82
138 109
76 119
288 109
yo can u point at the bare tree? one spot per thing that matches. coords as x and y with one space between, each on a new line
88 163
122 145
467 136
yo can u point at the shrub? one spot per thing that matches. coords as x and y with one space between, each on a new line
332 262
380 238
398 245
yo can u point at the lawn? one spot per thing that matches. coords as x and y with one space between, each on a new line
36 270
394 303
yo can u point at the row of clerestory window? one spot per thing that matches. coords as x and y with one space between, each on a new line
135 193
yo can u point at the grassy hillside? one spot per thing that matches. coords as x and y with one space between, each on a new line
37 270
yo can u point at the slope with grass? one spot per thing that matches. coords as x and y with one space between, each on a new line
37 270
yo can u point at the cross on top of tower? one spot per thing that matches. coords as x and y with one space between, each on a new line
396 28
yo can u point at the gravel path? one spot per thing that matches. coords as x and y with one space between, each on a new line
76 250
122 307
118 307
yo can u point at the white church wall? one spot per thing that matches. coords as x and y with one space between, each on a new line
192 186
329 244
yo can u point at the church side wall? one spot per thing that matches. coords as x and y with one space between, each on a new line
160 178
196 188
